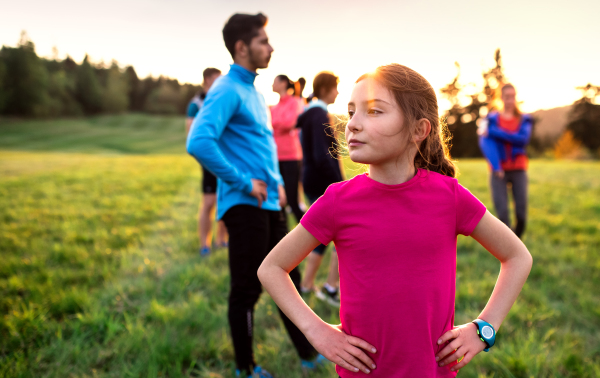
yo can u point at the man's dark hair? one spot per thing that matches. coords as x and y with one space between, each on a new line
210 71
242 27
323 83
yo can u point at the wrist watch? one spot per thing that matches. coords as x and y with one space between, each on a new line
486 333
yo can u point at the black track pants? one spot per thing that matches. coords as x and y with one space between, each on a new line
253 232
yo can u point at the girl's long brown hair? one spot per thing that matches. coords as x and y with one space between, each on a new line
417 99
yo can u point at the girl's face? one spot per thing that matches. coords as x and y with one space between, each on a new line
509 98
375 133
279 85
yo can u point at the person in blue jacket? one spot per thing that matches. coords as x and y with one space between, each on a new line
209 181
503 139
231 137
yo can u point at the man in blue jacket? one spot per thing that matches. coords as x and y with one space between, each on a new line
231 137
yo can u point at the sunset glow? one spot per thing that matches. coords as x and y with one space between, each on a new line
546 55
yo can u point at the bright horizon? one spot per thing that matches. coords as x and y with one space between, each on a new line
547 49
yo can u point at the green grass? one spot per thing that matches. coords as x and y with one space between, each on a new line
128 133
99 272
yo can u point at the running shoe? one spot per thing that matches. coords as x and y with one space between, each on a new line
257 373
331 297
314 364
304 292
204 252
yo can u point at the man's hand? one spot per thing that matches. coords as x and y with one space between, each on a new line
465 343
259 191
342 349
499 174
282 197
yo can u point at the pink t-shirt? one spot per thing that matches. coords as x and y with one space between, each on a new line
396 247
283 119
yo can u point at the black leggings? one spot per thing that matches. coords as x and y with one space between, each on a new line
253 232
518 181
290 172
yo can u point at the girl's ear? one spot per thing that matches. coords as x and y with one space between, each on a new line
422 130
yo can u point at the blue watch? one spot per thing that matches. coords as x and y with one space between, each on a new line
486 333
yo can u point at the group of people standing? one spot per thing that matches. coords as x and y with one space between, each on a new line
307 150
394 228
252 169
307 158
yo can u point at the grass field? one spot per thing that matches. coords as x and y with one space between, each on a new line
129 133
100 277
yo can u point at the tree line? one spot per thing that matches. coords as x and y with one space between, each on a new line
32 86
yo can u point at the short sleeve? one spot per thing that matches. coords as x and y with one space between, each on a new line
469 211
319 220
192 110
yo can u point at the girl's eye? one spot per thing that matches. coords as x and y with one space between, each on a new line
350 113
373 111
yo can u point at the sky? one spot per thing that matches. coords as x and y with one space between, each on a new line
548 47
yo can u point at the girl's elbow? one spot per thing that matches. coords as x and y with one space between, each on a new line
262 273
528 260
524 260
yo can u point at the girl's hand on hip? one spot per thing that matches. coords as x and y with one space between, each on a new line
342 349
464 345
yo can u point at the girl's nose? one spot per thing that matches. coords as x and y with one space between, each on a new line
353 124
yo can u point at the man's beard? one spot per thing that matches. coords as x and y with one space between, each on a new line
256 62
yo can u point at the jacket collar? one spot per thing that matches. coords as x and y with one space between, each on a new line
240 73
317 103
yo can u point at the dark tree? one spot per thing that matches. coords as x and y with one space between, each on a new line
461 120
133 87
24 80
115 98
88 89
584 119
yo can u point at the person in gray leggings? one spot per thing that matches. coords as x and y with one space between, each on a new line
518 181
503 139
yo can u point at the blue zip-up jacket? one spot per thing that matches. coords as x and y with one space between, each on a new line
492 145
231 137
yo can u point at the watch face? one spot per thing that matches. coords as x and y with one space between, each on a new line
487 332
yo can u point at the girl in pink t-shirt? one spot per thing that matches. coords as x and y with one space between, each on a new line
395 231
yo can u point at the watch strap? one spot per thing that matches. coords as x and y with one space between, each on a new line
488 340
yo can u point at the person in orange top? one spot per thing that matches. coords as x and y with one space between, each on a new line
289 151
503 141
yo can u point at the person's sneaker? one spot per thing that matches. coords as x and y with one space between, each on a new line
331 297
261 373
304 292
204 252
257 373
313 364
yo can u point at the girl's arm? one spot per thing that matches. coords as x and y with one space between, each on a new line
516 262
520 138
490 149
329 340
